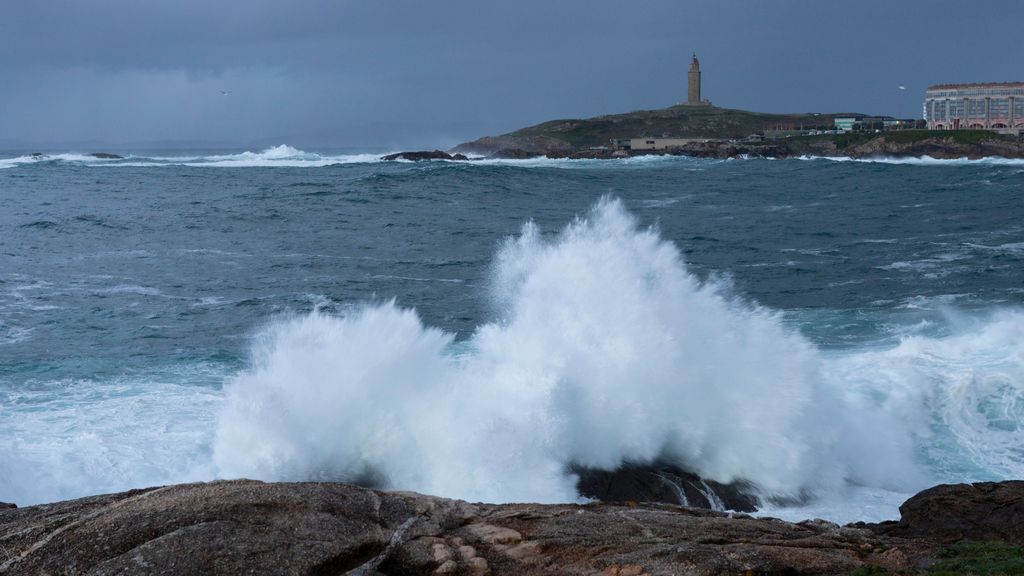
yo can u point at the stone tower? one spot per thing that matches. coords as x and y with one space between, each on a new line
693 82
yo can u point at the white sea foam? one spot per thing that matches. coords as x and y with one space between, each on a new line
602 348
14 334
963 395
66 157
280 156
589 163
923 160
75 438
605 349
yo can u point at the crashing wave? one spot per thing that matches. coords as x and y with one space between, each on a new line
604 350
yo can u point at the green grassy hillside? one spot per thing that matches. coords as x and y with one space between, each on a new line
673 122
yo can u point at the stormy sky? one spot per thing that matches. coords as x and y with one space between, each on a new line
417 73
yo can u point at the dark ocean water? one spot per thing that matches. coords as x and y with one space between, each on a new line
133 292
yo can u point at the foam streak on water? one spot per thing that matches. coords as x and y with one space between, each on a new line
282 156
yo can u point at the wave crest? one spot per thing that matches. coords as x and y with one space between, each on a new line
605 349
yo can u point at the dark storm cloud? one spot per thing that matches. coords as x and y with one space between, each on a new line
403 73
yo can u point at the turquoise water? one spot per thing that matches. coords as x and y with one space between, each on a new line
179 316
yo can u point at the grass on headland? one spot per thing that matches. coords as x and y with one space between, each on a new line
848 139
981 558
958 136
968 559
911 136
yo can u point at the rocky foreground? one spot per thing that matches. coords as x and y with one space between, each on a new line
251 527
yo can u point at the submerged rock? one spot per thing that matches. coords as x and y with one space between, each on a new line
106 156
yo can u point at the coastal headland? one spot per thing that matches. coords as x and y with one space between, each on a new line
245 526
712 132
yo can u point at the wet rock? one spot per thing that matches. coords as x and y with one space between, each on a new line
424 155
662 482
106 156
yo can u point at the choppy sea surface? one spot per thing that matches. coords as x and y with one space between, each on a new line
839 333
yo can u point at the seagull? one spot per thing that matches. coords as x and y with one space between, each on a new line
226 92
903 87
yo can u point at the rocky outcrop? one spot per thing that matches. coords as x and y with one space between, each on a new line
326 528
106 156
663 482
936 147
531 145
424 155
952 512
215 528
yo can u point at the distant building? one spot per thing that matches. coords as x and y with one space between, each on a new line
992 106
846 124
659 143
850 123
693 85
693 82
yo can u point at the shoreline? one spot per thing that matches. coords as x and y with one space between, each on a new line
227 527
412 156
893 145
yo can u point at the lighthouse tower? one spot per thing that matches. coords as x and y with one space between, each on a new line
693 82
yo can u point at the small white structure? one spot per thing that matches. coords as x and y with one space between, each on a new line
660 143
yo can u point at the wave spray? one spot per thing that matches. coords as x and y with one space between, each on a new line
604 349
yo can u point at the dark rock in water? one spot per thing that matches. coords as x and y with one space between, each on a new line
662 482
37 155
424 155
106 156
326 528
7 505
952 512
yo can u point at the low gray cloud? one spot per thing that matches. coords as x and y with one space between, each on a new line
412 73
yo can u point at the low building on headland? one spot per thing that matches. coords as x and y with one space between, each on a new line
873 123
654 143
991 106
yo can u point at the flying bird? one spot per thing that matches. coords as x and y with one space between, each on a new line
225 92
903 87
